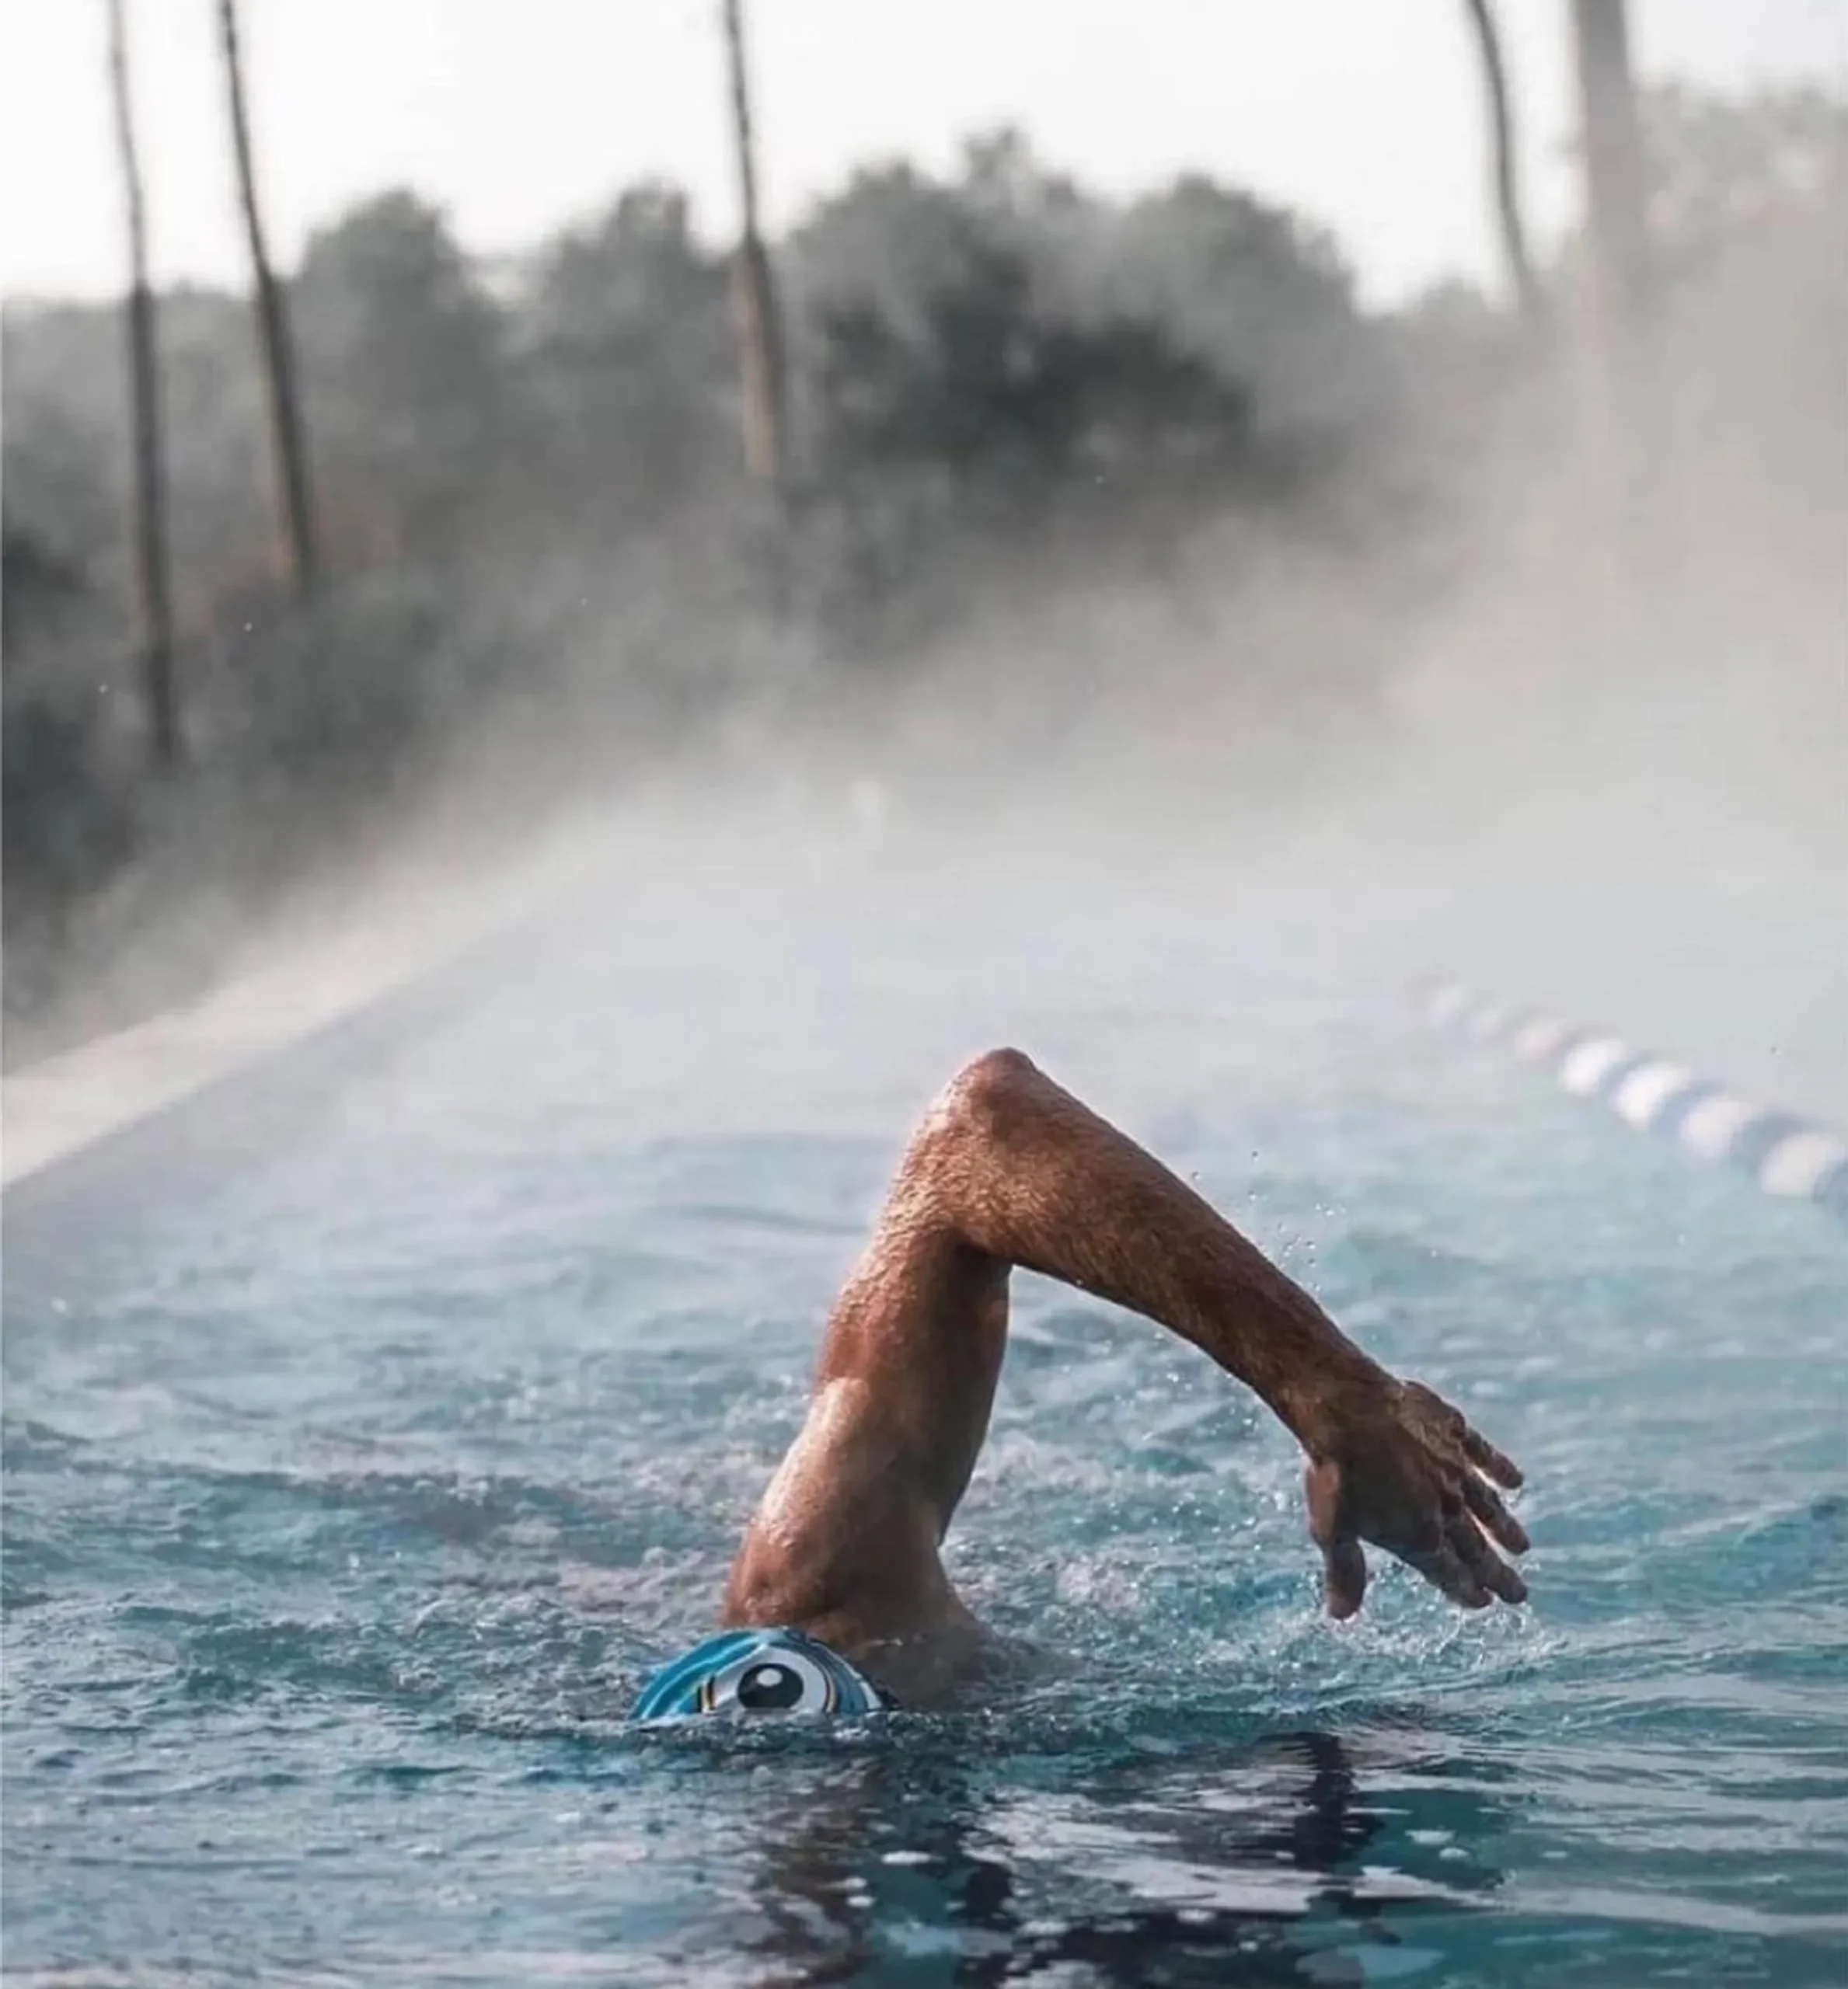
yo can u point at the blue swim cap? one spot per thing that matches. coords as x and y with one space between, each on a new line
757 1671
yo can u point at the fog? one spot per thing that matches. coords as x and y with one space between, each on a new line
1474 703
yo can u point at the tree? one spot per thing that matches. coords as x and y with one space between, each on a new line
1723 172
1020 406
153 578
759 321
1616 200
999 362
302 557
1263 296
405 349
624 340
1504 152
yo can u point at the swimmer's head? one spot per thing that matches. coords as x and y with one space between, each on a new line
757 1671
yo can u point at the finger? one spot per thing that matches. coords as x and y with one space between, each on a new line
1445 1570
1486 1458
1343 1578
1485 1502
1507 1583
1472 1548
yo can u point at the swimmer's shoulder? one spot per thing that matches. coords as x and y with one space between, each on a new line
956 1670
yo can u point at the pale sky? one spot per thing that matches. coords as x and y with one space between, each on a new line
519 115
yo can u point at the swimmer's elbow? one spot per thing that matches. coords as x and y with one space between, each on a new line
986 1096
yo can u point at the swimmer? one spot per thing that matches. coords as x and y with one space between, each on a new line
838 1602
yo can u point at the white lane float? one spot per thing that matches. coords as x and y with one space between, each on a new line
1784 1154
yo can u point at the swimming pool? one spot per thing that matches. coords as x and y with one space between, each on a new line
360 1457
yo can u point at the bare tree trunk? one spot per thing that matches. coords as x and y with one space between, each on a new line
1624 405
1616 220
759 327
301 558
153 580
1507 167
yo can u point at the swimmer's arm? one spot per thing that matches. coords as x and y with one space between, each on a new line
1025 1174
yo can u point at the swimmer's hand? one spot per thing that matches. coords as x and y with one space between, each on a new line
1392 1464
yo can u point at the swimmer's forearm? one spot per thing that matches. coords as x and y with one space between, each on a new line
1050 1186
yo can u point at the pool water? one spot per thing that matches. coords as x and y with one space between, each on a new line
368 1437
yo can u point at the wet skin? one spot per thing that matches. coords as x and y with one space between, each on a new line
1006 1169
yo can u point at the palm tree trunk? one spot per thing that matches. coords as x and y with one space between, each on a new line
301 555
153 580
1627 412
1616 217
760 330
1503 147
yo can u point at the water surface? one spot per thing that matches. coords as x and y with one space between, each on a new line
354 1477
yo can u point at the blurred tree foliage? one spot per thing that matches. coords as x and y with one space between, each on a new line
624 342
536 514
404 369
1725 173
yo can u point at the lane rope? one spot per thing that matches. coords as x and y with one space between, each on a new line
1783 1154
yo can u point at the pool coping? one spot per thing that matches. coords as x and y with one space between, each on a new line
55 1111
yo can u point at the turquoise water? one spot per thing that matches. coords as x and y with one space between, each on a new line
368 1434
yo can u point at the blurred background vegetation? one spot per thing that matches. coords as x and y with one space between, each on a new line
1053 456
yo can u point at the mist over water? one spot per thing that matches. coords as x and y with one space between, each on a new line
376 1420
1426 660
354 1482
1581 746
